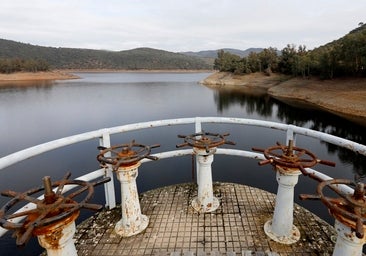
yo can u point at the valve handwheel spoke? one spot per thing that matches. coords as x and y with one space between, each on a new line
20 214
60 187
300 153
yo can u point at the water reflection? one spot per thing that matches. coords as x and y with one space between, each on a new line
252 103
303 116
24 85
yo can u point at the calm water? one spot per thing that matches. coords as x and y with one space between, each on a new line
46 111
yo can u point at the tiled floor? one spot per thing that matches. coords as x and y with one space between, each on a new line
235 228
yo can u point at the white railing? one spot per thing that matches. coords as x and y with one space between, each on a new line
104 140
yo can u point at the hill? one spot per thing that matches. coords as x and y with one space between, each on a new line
72 58
345 56
210 55
213 53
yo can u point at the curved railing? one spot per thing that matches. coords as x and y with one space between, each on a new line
104 137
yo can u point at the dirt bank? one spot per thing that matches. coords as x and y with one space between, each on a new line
256 83
34 76
344 97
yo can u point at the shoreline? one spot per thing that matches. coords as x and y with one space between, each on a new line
342 97
37 76
138 70
66 74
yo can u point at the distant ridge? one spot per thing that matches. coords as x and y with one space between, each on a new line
72 58
213 53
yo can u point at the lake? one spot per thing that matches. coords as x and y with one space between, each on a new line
46 110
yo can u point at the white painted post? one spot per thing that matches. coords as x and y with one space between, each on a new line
197 129
205 201
57 238
132 221
109 192
281 228
347 242
290 135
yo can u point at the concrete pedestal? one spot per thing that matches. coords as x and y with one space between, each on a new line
132 221
205 200
281 228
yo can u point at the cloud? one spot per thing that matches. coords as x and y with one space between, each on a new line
178 25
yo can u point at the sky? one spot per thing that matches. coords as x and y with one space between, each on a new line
178 25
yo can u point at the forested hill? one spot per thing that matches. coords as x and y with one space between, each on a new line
344 57
71 58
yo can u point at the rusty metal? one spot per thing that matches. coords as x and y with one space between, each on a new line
125 154
350 209
204 140
53 208
290 157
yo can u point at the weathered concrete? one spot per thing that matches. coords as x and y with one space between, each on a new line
235 228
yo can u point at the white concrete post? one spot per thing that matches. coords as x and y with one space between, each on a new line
132 221
347 241
57 238
281 228
205 201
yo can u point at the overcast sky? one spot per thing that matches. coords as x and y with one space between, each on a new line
178 25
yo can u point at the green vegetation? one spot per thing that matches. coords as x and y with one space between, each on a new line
8 66
340 58
70 58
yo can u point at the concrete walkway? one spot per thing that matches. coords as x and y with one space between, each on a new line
235 228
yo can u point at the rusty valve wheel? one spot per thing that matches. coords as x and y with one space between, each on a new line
290 157
53 208
349 209
204 140
125 154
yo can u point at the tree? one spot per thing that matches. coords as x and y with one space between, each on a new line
268 59
254 62
226 61
288 61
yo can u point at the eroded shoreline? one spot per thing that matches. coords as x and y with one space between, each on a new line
36 76
343 97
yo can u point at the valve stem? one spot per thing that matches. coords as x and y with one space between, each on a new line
49 195
290 148
359 191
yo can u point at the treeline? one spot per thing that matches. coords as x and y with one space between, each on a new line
343 57
8 66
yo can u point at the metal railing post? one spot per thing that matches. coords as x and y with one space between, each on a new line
290 135
197 125
197 129
109 191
